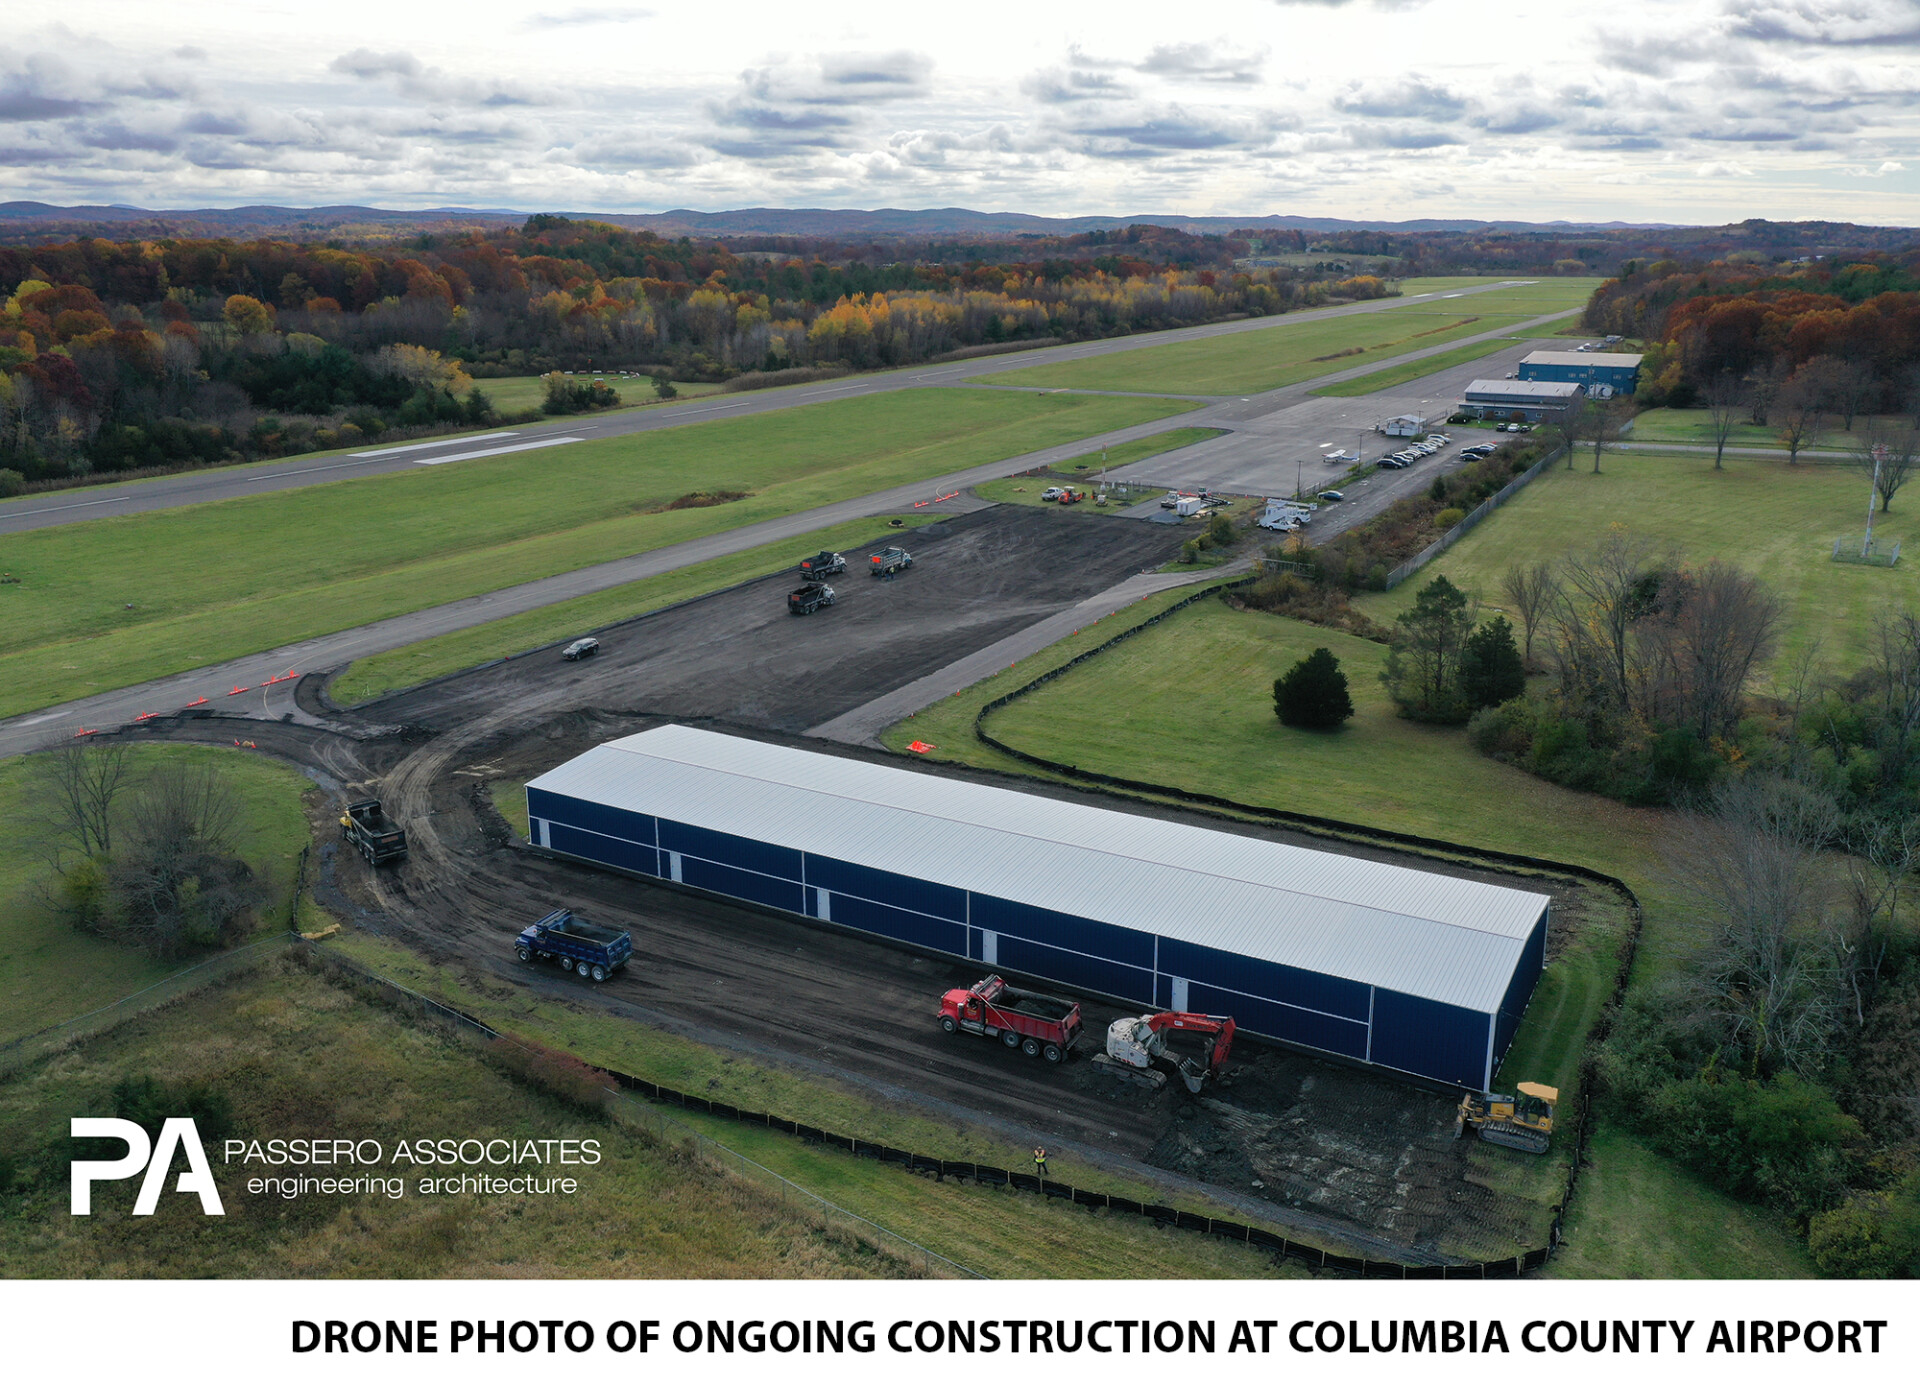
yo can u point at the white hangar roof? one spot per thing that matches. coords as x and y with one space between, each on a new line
1413 931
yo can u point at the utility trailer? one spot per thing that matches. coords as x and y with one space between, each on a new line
372 833
1040 1026
591 951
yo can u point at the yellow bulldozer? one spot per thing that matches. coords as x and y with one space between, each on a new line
1518 1122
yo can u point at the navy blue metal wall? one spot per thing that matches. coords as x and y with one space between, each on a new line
1357 1021
1533 961
1622 378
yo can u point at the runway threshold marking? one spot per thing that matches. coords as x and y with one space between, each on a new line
443 442
492 451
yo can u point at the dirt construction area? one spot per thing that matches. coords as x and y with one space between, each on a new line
1350 1156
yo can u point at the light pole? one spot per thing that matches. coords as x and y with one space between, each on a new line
1873 489
1299 475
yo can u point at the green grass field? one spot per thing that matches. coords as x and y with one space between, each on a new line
1637 1216
52 973
299 1057
1286 353
1249 362
1692 426
211 582
512 393
1393 375
365 679
1777 520
1113 714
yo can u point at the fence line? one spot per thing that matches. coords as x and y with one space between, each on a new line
624 1093
1473 518
17 1053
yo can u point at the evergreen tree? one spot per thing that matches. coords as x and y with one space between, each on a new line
1313 693
1491 670
1423 669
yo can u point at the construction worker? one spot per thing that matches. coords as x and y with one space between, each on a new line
1040 1161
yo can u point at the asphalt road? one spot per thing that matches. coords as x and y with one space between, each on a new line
49 509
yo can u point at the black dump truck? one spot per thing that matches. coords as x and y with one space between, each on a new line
372 833
825 563
591 951
889 561
808 599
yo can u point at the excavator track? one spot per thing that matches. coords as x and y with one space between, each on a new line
1529 1140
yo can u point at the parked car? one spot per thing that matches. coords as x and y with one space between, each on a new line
1331 496
581 649
1051 493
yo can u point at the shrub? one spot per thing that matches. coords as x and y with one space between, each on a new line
1220 531
11 482
1313 693
1783 1142
1871 1235
1447 518
1190 551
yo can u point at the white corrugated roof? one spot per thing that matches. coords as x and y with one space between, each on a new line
1412 931
1525 389
1620 359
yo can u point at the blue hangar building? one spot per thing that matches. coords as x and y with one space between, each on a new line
1406 969
1604 373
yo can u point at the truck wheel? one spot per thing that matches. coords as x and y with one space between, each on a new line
1052 1053
566 964
946 1023
1009 1038
1030 1047
599 973
524 953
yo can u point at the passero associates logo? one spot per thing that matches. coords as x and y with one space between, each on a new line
154 1157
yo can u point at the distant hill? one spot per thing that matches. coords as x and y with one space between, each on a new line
888 223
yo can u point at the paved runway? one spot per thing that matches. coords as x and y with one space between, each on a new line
47 509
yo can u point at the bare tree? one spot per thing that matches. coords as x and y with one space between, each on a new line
1726 399
1890 456
1882 855
1532 592
1600 423
1604 595
175 884
1763 387
1726 626
1749 860
1798 409
80 783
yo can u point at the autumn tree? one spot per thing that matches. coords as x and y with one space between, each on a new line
247 316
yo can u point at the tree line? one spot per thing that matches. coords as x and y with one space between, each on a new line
116 356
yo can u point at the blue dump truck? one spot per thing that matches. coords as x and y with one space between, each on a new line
589 950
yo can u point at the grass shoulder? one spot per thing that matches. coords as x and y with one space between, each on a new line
119 601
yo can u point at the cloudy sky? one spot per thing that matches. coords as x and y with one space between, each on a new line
1636 110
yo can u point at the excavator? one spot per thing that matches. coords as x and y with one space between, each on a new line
1134 1041
1518 1122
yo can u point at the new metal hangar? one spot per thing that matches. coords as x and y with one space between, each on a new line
1424 973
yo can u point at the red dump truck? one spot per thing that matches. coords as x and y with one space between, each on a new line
1040 1026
